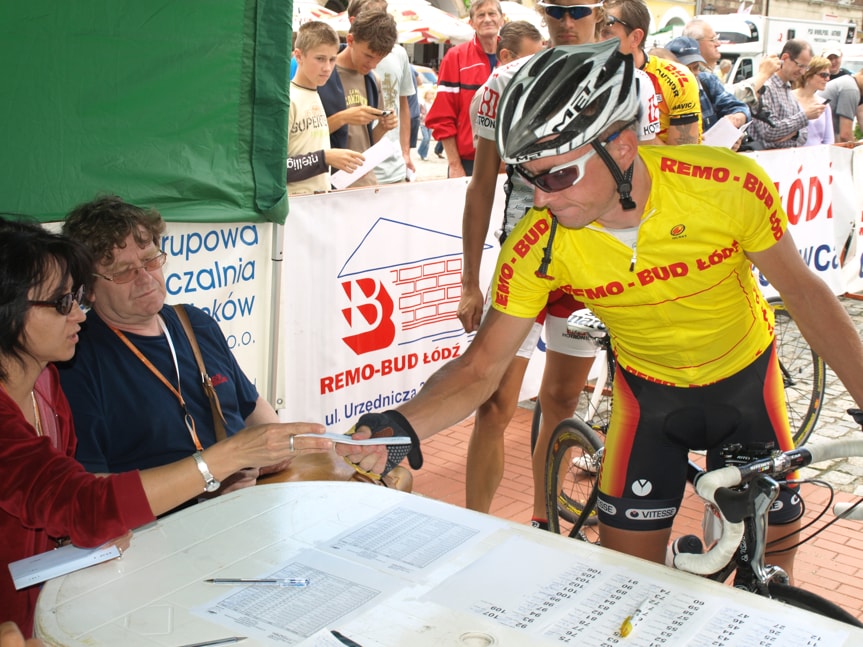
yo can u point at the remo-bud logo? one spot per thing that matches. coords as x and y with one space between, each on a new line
370 315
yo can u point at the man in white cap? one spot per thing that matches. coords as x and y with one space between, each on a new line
833 52
716 101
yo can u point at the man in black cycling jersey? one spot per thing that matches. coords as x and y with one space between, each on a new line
658 242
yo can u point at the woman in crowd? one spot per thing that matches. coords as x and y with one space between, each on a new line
45 495
425 106
814 80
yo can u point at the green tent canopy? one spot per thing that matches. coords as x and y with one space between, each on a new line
180 105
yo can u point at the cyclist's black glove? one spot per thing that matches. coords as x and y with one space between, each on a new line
857 414
392 423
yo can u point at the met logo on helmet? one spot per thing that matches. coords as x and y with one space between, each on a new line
579 101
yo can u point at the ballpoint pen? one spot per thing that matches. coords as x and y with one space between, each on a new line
217 641
344 639
272 581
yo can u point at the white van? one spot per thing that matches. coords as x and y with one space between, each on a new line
744 39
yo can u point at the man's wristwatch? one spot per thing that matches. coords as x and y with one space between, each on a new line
211 484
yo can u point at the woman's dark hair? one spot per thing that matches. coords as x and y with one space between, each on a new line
28 255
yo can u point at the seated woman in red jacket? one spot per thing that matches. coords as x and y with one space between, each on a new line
46 495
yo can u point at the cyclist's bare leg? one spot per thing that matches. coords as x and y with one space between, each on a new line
485 452
647 544
563 379
784 560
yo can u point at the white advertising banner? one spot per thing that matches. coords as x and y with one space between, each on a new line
371 285
225 270
817 194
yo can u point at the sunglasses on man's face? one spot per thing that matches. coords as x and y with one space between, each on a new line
64 304
558 178
576 12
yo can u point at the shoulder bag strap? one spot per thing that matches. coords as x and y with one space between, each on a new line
206 382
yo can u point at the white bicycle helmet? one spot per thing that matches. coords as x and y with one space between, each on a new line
564 98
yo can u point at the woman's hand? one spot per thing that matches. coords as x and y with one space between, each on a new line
11 636
122 543
264 445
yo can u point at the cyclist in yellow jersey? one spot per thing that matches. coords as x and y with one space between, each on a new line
675 87
659 241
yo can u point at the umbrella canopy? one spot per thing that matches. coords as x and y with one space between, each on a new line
418 22
515 11
304 11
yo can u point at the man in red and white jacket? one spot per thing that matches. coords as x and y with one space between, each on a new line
463 70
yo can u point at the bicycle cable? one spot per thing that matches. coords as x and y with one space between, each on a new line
826 525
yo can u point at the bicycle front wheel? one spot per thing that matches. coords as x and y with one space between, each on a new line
800 599
571 477
803 372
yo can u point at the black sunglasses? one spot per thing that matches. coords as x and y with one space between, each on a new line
576 12
610 21
64 304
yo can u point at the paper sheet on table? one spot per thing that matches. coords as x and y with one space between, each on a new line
384 149
338 590
580 601
723 133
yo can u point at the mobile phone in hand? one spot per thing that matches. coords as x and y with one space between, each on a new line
386 113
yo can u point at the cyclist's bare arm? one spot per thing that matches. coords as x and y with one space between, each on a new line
682 134
460 386
817 312
474 225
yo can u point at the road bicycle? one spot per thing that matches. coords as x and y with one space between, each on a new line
739 496
804 374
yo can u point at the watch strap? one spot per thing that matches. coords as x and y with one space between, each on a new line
210 482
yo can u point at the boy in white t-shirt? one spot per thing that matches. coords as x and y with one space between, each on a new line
309 154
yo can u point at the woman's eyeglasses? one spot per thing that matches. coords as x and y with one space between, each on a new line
576 12
64 304
823 75
558 178
125 276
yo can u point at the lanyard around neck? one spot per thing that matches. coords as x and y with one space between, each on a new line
187 417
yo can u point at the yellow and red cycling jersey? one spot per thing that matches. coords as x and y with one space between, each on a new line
682 305
677 95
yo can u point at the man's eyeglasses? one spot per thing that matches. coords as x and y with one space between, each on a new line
127 275
799 65
576 12
715 40
64 304
558 178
